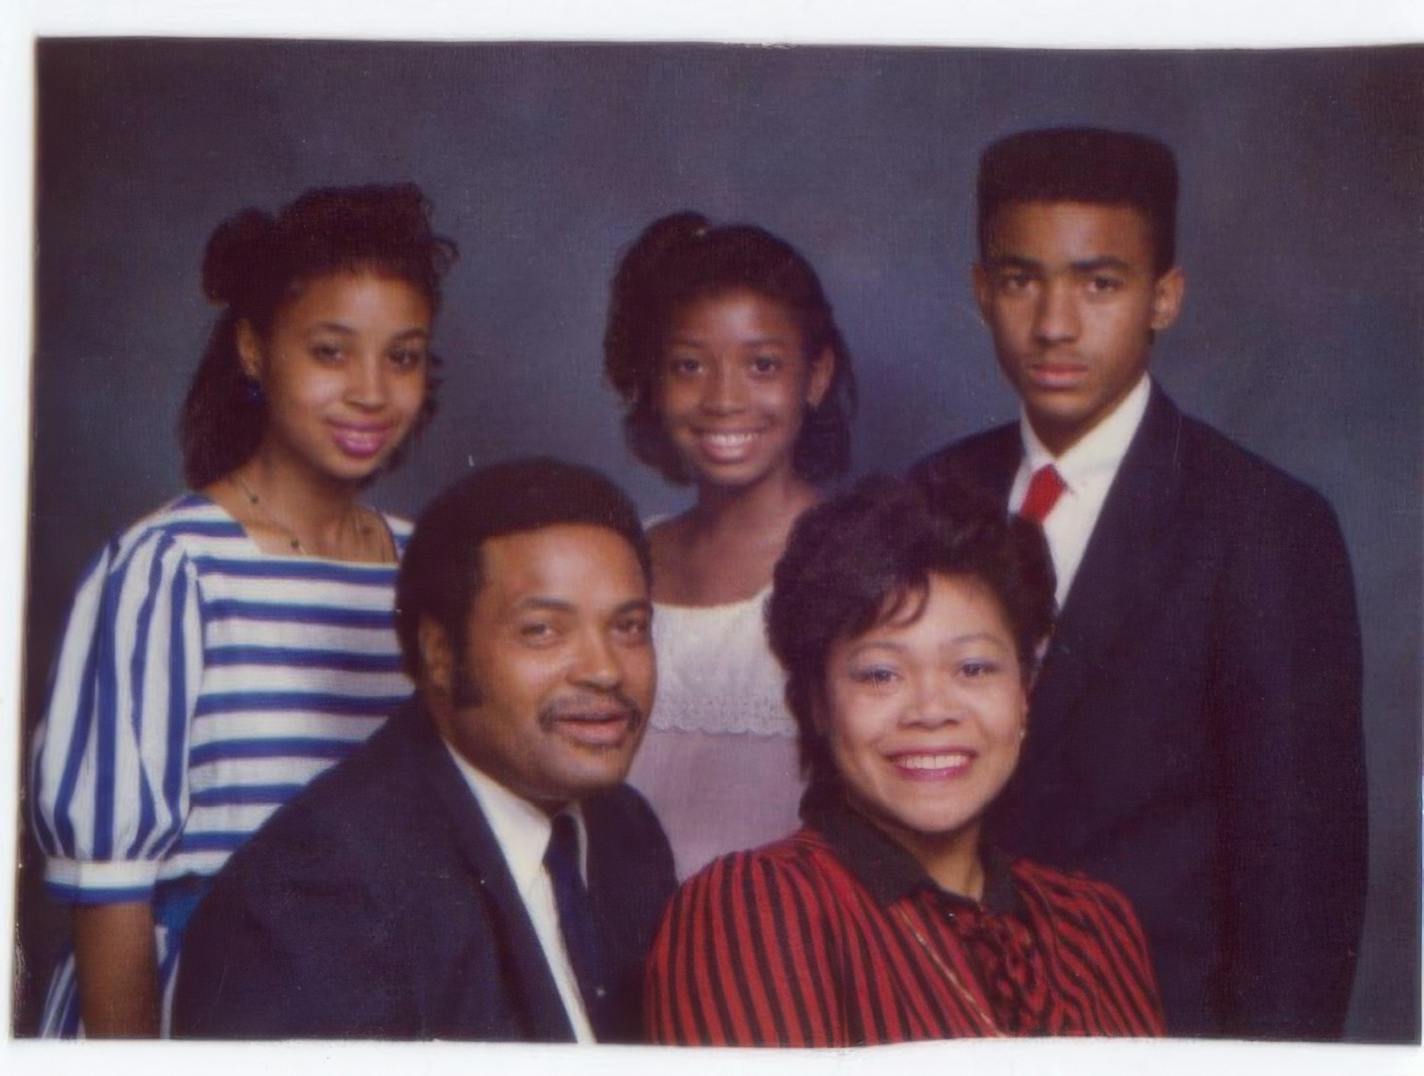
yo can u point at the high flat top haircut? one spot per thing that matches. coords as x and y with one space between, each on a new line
1083 164
681 258
442 570
256 263
865 557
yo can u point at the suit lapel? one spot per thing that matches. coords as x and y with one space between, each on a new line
1129 546
531 981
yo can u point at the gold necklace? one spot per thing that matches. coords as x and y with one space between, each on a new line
262 509
362 529
949 973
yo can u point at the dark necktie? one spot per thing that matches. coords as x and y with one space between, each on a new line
577 925
1044 489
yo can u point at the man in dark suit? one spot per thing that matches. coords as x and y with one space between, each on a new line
1195 727
477 870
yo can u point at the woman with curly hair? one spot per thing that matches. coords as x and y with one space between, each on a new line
228 648
909 625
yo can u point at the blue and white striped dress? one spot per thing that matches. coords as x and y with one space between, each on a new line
200 684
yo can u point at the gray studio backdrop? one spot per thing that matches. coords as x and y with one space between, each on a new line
1303 193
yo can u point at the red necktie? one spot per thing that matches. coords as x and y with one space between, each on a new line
1044 489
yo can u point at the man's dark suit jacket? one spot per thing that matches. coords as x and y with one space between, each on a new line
1194 734
377 904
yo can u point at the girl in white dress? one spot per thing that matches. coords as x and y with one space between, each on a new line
735 378
226 649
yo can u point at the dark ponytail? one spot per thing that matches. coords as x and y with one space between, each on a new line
256 262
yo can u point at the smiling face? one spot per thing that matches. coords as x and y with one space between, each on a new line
549 694
734 385
344 373
1069 293
924 717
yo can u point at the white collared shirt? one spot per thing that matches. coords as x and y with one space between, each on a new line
1087 469
522 831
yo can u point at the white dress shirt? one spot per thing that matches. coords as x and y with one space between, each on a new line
522 831
1087 469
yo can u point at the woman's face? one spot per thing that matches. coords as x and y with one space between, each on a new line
344 372
735 382
925 717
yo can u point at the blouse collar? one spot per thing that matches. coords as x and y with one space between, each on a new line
888 870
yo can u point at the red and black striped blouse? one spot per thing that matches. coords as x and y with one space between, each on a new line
835 936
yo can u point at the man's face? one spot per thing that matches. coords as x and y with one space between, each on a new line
1069 293
550 693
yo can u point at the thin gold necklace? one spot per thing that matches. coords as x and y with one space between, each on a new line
363 529
949 973
266 514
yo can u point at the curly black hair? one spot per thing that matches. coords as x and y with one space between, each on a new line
856 558
681 258
255 263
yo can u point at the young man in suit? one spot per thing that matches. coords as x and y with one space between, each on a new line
1194 734
477 870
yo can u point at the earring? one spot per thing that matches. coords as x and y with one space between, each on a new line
252 391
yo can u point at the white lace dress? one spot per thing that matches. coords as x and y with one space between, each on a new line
719 761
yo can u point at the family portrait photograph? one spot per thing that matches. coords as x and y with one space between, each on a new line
579 533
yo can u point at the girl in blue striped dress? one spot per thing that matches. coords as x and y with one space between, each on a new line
227 649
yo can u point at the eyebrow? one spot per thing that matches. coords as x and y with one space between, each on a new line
760 341
857 649
1107 261
958 640
1012 261
347 330
554 605
980 636
1087 265
559 605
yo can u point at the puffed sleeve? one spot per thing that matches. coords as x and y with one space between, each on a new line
109 780
744 958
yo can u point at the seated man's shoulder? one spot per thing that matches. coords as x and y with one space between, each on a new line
310 926
363 811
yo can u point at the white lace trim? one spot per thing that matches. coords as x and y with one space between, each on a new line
715 671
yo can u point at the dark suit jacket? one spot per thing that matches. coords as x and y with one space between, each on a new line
1194 734
377 904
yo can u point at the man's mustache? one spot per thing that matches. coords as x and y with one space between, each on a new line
592 706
